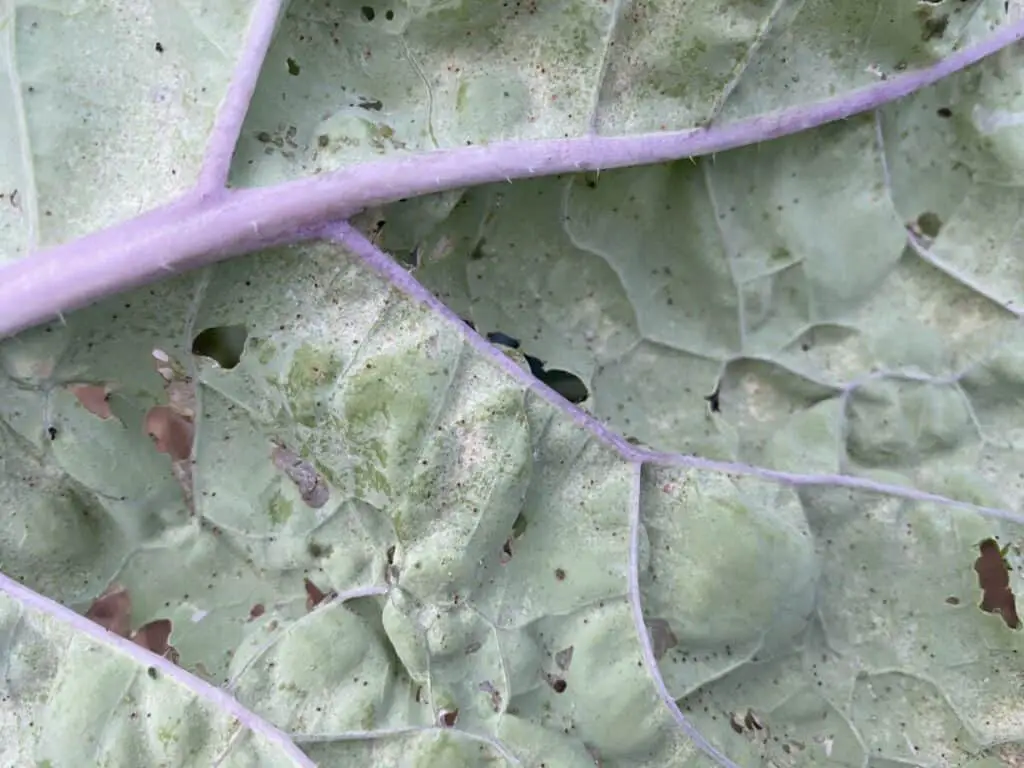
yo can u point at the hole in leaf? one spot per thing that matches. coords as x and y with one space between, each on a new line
558 685
222 344
568 385
714 400
389 15
929 224
497 337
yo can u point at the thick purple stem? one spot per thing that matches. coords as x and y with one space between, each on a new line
208 226
221 147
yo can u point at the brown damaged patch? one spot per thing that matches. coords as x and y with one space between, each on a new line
171 426
94 398
315 595
994 580
172 433
113 611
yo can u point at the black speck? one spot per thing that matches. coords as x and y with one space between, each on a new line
293 67
389 15
152 673
944 112
159 47
367 13
376 105
52 432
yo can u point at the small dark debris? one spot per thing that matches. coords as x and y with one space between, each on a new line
151 671
293 67
376 105
952 600
323 140
448 717
714 400
994 580
559 574
367 13
52 432
389 15
944 112
159 47
256 611
263 137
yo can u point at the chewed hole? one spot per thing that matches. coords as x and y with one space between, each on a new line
222 344
568 385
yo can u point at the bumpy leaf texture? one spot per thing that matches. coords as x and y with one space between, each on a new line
605 383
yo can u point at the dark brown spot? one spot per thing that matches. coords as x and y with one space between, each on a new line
994 580
448 717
